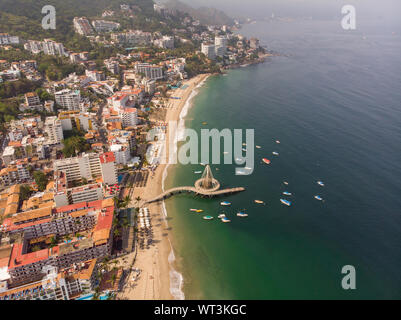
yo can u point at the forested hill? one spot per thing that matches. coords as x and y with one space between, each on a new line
69 8
24 17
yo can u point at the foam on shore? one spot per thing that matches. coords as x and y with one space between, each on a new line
176 278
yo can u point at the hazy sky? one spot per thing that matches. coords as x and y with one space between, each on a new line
384 9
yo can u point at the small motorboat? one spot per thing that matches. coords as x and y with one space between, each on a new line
225 203
275 153
259 202
265 160
197 172
286 193
225 220
199 211
258 147
286 202
193 210
207 218
320 183
221 216
242 214
244 150
318 198
286 183
278 141
244 144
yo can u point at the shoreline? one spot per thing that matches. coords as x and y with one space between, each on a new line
159 279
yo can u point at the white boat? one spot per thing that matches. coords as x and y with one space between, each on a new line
286 193
259 202
244 144
275 153
221 216
225 203
225 152
286 183
225 220
208 218
320 183
286 202
244 150
318 198
242 214
258 147
278 141
197 172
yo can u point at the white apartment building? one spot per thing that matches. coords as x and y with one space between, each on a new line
150 71
208 50
77 120
68 99
54 130
95 75
121 153
5 38
105 26
86 193
82 26
165 42
129 117
89 166
53 48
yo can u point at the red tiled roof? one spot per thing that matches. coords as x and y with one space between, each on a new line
107 157
18 259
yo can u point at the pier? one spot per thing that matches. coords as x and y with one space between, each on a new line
206 186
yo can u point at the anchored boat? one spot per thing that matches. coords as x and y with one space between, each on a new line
265 160
286 202
225 203
208 218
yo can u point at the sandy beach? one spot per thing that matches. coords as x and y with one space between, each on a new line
154 280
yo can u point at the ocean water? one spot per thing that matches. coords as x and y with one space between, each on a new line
334 102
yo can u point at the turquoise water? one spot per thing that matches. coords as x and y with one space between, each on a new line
334 103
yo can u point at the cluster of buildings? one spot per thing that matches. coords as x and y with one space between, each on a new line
51 242
52 252
85 28
14 70
47 46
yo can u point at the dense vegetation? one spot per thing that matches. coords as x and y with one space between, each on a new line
23 17
41 180
13 88
74 145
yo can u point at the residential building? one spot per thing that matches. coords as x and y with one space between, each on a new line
32 99
208 50
6 39
152 72
88 166
82 26
77 120
54 130
165 42
104 25
69 99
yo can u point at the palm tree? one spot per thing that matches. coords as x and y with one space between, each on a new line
138 199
